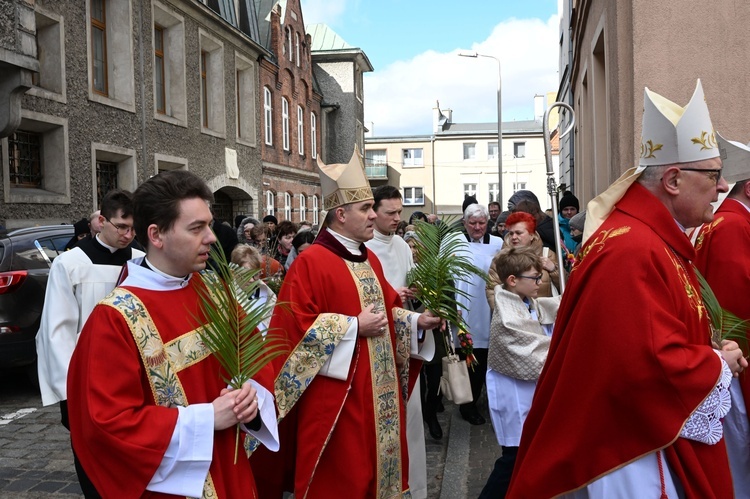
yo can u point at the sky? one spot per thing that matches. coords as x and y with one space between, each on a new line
413 46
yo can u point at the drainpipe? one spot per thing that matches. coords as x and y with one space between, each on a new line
144 149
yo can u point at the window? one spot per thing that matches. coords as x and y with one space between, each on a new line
268 115
302 207
413 196
470 150
376 165
358 83
110 53
270 203
470 190
204 89
493 190
113 168
212 85
287 206
99 46
296 47
413 157
285 123
313 136
106 177
300 131
315 212
245 100
160 93
49 82
170 97
519 186
519 149
164 162
25 159
289 43
35 161
492 150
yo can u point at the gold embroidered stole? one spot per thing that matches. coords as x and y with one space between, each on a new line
385 388
161 361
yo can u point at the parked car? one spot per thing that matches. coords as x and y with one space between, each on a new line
25 259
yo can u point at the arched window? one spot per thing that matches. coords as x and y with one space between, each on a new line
302 207
285 123
287 206
315 220
270 203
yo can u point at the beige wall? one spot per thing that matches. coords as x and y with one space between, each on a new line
622 47
410 176
452 171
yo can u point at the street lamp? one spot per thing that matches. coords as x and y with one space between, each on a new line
499 125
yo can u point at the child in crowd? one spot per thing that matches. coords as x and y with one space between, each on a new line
249 257
519 341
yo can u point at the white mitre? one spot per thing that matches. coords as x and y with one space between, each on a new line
670 134
673 134
735 159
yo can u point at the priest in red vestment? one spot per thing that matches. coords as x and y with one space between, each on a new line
723 249
342 391
630 399
149 412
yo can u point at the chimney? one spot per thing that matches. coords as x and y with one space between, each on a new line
369 129
539 107
440 117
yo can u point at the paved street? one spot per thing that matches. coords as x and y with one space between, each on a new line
36 461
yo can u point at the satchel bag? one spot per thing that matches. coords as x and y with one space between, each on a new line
455 383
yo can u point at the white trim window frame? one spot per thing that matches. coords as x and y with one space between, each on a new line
302 206
313 136
270 203
413 157
287 206
285 123
300 131
413 196
268 115
316 210
470 151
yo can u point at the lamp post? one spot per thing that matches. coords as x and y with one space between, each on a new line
499 125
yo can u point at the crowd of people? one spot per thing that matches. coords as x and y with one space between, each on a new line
623 384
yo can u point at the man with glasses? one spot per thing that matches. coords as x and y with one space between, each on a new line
78 279
630 400
722 257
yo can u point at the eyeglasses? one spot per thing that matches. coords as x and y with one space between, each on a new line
121 228
536 278
714 175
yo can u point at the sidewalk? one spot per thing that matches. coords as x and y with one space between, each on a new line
459 464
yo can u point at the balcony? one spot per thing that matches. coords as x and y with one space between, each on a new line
376 170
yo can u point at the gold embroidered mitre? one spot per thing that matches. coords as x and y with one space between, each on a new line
735 159
673 134
344 183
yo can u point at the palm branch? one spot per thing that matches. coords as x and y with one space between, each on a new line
724 324
442 261
232 316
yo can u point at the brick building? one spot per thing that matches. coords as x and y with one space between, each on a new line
290 101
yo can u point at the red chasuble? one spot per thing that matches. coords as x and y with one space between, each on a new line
723 249
630 360
340 438
118 432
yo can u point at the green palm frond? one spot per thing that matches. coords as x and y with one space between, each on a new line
232 318
442 261
232 321
724 324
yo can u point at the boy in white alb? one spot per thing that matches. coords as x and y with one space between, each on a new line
519 340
